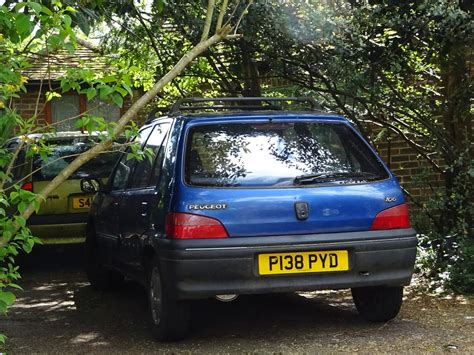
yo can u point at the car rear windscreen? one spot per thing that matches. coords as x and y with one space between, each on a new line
278 154
64 151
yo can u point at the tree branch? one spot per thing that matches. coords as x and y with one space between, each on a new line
222 11
89 45
208 22
236 27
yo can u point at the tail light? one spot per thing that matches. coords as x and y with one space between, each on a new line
392 218
192 226
28 186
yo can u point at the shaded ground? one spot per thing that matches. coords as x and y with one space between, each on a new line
58 312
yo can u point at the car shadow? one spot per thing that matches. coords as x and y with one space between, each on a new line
57 295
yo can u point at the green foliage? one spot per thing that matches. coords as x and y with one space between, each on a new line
27 29
35 29
399 67
446 250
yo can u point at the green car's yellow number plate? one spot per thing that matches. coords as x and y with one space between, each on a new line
300 262
81 202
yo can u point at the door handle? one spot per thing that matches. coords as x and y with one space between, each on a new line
144 204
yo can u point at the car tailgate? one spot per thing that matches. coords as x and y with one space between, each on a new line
66 198
260 212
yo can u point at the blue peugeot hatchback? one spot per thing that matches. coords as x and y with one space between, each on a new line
250 198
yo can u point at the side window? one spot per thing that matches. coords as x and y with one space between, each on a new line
125 167
144 168
122 172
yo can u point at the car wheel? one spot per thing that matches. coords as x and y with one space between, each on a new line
379 303
99 277
170 317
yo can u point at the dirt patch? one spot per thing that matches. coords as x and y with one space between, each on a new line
58 312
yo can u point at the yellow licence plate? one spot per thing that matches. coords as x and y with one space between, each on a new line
300 262
81 202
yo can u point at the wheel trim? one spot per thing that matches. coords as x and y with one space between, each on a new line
155 296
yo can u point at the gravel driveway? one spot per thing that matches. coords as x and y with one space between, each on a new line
58 312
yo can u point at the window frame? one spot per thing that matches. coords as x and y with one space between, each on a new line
48 110
124 156
149 185
189 127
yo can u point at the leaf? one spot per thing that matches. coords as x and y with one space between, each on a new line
13 196
21 221
109 79
46 11
7 297
120 90
83 23
67 20
105 91
91 93
70 47
51 94
35 6
22 206
3 307
15 286
118 100
128 88
79 123
22 24
28 246
160 5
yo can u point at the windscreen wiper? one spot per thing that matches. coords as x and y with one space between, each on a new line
331 176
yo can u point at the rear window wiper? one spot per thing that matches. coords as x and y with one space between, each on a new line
331 176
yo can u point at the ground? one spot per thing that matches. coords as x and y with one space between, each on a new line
58 312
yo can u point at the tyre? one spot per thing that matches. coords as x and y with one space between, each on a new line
170 317
99 277
379 303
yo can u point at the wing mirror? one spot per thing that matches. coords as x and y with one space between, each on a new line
91 185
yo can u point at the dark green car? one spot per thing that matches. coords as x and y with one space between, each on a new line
62 217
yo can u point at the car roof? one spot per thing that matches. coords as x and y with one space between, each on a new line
249 115
62 134
266 114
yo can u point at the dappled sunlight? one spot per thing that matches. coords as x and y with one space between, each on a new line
74 318
50 306
58 304
90 339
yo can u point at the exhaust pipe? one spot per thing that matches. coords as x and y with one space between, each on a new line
227 298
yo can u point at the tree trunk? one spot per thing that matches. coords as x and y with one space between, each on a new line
250 71
457 122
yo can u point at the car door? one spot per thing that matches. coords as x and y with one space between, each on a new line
108 218
107 221
140 199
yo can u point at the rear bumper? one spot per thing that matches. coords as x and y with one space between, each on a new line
204 268
60 228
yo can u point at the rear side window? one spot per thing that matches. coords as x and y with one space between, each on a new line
278 154
145 168
64 151
125 166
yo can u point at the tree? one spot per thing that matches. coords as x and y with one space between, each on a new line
396 69
27 28
402 67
